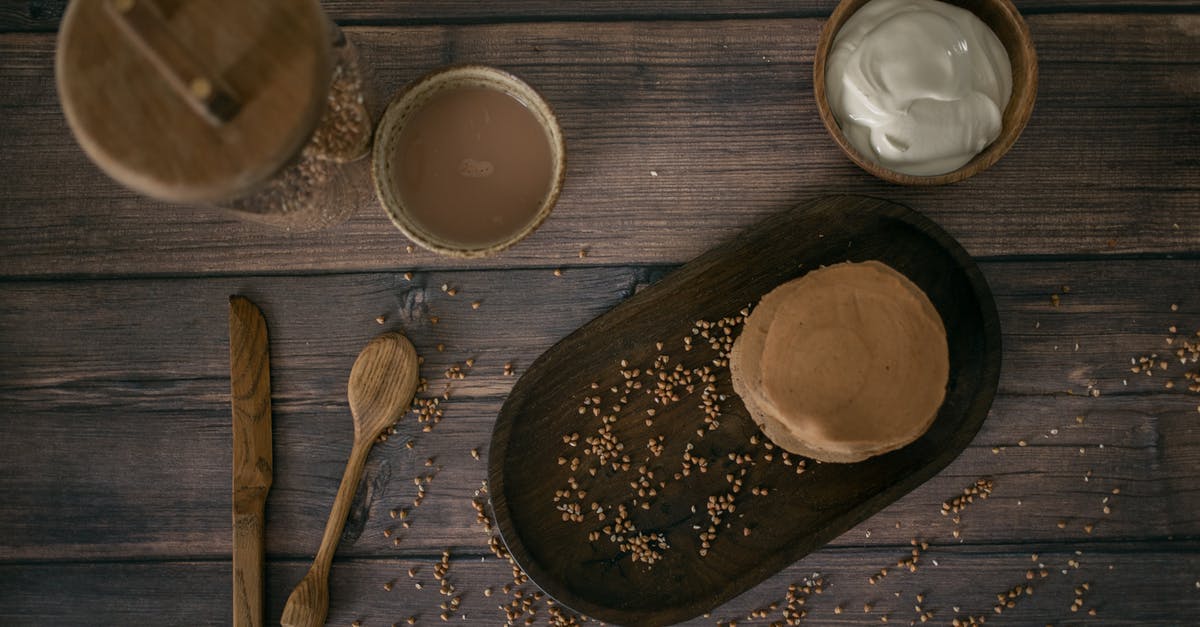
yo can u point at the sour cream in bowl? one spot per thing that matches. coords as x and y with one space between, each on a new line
922 91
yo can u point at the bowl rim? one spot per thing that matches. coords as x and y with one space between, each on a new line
411 98
1023 96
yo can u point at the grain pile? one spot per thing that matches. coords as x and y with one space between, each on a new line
1180 348
677 378
694 377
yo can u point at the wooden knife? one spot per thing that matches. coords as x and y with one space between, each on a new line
250 386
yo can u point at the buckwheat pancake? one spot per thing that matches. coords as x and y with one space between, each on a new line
844 363
744 360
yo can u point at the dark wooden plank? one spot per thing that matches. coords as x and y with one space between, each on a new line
1128 584
160 391
44 15
679 133
175 502
117 437
801 513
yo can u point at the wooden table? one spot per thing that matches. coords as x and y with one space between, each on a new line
685 122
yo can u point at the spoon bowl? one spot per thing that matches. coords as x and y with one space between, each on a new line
382 384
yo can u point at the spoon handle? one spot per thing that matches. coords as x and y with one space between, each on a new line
309 602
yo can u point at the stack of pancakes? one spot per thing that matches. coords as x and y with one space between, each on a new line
844 363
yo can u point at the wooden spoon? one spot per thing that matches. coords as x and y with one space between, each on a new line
382 384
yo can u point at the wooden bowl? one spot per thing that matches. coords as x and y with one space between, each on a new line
1004 20
411 99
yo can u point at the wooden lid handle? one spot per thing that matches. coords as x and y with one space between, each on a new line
144 24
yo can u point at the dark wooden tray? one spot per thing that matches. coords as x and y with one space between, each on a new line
800 512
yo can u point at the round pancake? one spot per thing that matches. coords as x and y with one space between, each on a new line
847 362
744 360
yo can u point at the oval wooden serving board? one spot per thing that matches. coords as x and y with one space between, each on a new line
536 482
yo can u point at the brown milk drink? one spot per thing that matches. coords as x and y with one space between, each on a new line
473 165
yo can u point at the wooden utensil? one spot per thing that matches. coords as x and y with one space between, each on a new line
767 532
382 384
250 394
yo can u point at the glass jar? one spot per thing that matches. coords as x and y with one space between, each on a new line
255 107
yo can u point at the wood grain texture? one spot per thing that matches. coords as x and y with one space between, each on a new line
44 15
678 134
139 415
1150 584
250 396
382 383
685 121
681 573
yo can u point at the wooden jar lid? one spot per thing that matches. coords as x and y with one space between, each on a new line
193 100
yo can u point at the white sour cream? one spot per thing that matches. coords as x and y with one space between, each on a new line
918 85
